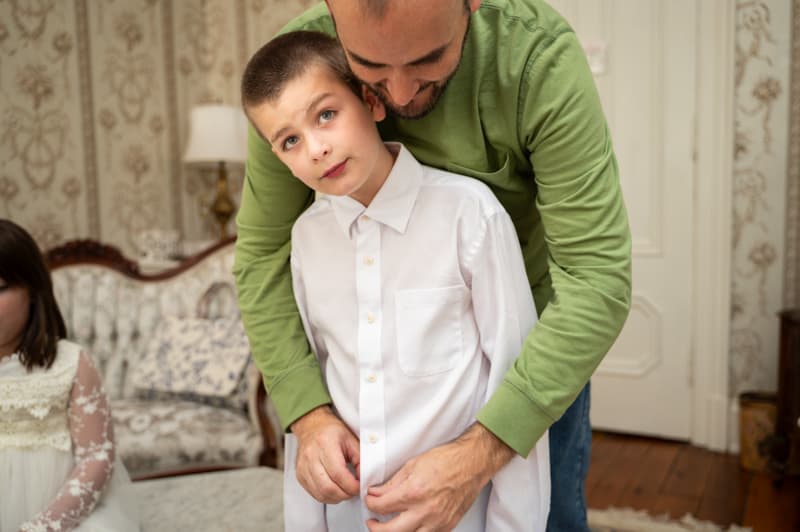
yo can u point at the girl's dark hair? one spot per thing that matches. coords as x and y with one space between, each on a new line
22 264
285 58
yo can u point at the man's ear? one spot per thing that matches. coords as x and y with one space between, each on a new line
374 104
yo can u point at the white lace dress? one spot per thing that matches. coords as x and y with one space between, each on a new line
58 469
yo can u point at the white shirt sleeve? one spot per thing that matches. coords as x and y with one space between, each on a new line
505 313
501 295
93 448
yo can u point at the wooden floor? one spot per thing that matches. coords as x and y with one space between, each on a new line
665 477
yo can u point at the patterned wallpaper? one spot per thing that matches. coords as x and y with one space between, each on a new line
94 114
94 110
763 54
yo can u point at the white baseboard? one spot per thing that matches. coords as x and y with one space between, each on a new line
711 423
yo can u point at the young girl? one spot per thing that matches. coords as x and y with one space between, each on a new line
57 462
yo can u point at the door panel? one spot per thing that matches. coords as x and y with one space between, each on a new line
644 58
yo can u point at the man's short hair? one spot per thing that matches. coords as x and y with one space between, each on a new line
285 58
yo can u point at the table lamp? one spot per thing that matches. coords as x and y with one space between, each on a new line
218 134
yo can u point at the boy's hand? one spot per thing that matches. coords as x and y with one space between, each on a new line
325 447
434 490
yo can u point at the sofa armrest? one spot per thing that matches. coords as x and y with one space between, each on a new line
265 420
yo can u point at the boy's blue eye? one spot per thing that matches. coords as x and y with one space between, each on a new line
290 142
327 115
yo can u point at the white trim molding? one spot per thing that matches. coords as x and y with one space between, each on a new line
711 286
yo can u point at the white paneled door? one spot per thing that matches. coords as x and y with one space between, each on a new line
644 56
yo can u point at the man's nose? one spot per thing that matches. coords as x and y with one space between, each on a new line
402 89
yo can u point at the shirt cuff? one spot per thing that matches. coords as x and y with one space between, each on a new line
512 417
298 393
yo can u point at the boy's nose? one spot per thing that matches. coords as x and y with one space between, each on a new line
318 148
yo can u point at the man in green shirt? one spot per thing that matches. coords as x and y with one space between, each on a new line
499 90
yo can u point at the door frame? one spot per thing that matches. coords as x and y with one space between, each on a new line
713 204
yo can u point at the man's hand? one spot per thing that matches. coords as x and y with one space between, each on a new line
325 446
433 491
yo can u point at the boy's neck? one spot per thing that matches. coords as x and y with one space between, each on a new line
388 157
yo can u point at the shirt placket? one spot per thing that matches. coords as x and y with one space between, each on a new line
371 375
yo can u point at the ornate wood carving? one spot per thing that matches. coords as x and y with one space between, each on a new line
87 251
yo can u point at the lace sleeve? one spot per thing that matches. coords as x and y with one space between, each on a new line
93 449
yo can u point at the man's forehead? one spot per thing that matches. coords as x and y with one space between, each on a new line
402 36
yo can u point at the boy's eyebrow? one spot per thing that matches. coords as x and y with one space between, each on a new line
314 103
431 57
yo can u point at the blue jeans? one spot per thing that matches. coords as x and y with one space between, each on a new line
570 447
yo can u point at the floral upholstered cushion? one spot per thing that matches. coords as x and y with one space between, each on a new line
195 359
156 436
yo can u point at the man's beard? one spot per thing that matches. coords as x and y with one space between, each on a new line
414 114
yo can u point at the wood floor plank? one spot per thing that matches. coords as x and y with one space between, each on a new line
608 488
724 499
647 481
605 450
771 508
689 473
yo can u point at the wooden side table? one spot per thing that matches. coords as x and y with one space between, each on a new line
785 452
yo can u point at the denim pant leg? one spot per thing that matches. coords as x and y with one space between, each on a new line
570 447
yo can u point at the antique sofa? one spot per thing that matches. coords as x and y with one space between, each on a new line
185 396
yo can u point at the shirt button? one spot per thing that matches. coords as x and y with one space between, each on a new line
368 260
370 318
372 378
373 438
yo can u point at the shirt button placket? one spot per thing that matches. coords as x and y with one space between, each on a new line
371 396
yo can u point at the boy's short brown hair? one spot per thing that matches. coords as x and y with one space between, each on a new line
286 57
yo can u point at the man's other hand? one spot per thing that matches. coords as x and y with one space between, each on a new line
434 490
325 447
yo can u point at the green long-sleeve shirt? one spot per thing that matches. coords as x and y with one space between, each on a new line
521 114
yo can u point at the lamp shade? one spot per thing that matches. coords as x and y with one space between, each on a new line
216 133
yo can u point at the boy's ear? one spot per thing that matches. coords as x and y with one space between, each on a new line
374 104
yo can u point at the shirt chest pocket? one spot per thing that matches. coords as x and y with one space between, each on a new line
428 327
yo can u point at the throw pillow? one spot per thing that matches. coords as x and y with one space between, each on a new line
195 359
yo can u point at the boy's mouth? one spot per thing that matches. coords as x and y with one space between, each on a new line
335 170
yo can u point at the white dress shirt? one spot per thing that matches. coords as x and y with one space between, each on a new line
415 306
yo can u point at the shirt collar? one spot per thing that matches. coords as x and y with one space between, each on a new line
393 203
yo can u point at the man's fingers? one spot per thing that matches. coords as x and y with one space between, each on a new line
318 482
352 453
338 472
390 497
404 522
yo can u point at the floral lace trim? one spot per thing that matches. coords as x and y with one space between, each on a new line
34 433
42 390
93 449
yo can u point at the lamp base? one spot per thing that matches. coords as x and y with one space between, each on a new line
222 207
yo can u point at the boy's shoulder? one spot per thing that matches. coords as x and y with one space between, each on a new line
317 212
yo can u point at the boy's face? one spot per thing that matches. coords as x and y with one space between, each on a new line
326 135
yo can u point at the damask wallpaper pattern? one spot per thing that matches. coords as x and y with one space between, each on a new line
95 103
94 113
762 55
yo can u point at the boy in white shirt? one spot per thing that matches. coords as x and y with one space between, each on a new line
409 281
